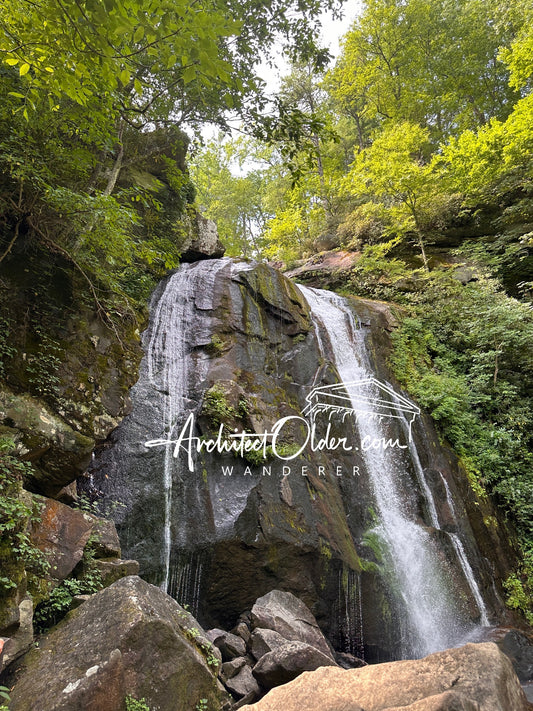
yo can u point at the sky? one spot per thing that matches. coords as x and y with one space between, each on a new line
332 32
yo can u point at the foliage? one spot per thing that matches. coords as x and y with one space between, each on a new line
16 514
465 353
428 62
519 587
4 694
93 95
133 704
216 407
87 581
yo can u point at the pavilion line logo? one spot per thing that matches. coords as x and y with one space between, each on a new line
361 399
367 399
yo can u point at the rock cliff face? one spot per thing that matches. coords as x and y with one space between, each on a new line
234 346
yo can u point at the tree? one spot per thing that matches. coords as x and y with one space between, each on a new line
394 173
91 90
230 194
431 62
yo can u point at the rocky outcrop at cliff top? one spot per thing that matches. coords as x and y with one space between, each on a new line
131 639
202 241
476 677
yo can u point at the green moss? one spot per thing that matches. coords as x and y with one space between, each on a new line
216 407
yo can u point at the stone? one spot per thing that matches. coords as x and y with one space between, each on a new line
232 646
327 269
464 274
129 639
215 634
22 639
59 453
61 534
284 613
242 630
229 669
349 661
104 538
229 644
243 683
202 242
68 494
476 677
285 663
264 641
248 699
78 600
114 569
448 701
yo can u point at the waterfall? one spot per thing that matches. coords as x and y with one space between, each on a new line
462 557
170 368
454 537
431 620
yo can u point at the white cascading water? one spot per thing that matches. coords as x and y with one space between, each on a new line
432 621
170 366
454 538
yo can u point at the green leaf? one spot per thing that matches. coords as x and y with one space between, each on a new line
15 93
189 74
124 76
25 68
138 86
139 34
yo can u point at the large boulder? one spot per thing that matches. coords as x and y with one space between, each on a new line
476 677
131 639
287 662
202 241
59 452
61 534
264 641
284 613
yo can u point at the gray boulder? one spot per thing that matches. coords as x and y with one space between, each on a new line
129 639
285 663
243 684
202 242
264 641
284 613
229 644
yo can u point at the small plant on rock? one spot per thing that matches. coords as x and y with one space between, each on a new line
133 704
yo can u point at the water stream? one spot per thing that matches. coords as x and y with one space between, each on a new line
170 367
431 620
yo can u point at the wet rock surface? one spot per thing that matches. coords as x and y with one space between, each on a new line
250 356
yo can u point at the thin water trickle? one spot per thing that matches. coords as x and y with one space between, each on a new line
171 368
432 621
